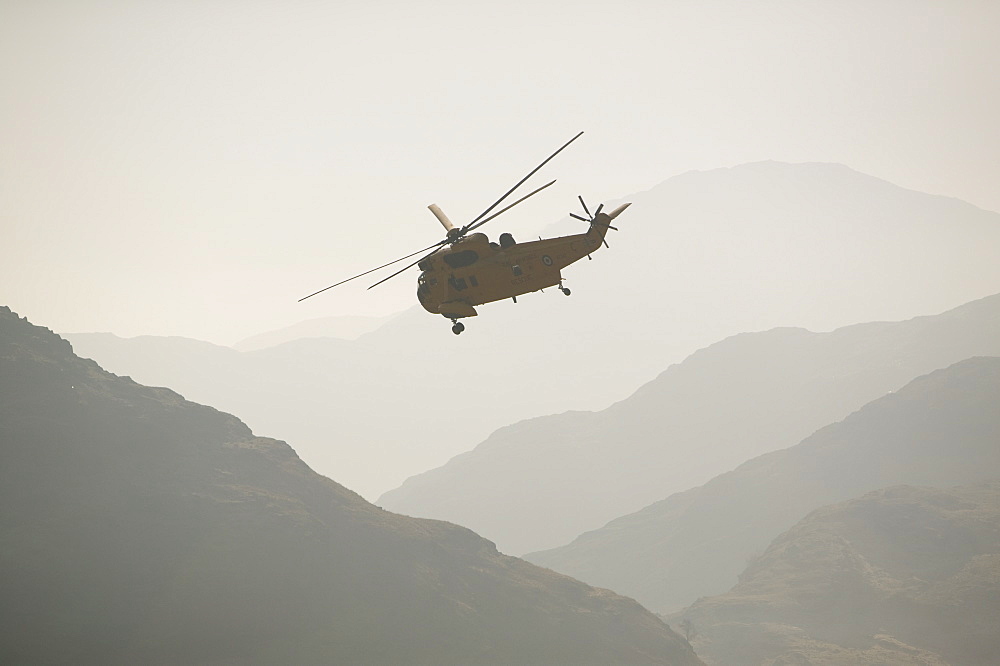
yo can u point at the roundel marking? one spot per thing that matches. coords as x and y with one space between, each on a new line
547 260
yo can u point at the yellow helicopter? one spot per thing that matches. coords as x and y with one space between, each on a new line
465 269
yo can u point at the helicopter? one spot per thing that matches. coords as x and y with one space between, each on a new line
466 269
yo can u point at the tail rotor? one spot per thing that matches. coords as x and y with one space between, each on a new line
593 218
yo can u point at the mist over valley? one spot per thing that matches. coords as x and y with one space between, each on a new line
693 453
704 256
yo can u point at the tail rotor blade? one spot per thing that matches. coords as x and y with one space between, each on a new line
579 217
584 205
598 211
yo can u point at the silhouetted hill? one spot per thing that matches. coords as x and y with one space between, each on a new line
703 256
734 400
138 527
344 327
902 575
941 429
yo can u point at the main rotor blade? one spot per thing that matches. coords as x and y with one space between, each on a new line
504 210
520 182
439 243
408 266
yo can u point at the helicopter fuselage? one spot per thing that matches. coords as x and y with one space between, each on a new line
474 271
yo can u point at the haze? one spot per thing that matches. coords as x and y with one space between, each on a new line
764 427
194 168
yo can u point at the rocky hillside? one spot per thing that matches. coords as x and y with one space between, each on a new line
737 399
942 429
138 527
903 575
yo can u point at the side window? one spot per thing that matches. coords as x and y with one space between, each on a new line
516 270
473 281
458 283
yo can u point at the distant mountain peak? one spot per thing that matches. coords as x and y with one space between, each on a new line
830 176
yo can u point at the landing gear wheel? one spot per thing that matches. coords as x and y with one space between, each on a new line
458 327
565 290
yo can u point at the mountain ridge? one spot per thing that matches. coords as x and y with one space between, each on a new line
740 397
941 429
697 259
345 327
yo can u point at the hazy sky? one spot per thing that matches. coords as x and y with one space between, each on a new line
193 168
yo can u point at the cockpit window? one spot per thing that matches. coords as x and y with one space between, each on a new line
461 259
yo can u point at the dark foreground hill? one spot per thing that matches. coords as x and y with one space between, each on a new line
942 429
902 575
138 527
732 401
